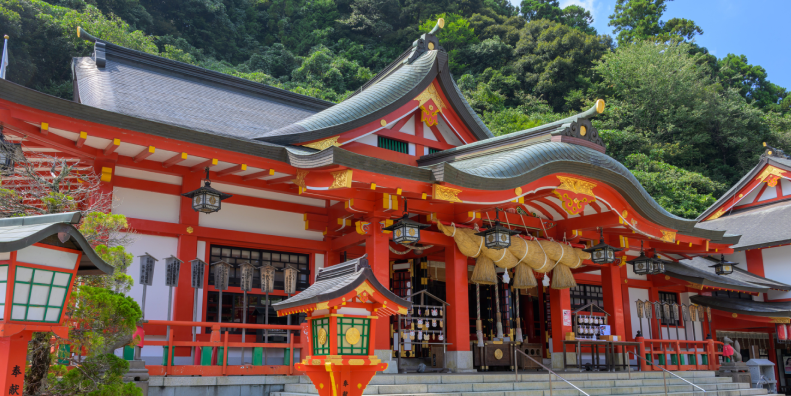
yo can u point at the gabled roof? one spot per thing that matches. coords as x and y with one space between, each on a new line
17 233
760 226
338 280
150 87
398 84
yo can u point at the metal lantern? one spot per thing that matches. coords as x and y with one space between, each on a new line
290 279
248 273
147 262
723 267
206 199
602 253
172 267
198 273
405 230
268 278
497 237
642 264
222 273
657 266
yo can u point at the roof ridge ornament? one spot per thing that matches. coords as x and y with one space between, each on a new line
426 42
770 151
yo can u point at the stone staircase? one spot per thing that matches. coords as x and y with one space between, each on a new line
536 384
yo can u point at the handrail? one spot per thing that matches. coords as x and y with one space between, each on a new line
664 371
516 372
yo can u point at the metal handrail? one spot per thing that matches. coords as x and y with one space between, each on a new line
664 371
516 372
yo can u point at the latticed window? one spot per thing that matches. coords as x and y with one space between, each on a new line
38 294
391 144
318 326
582 295
401 280
432 150
236 256
353 336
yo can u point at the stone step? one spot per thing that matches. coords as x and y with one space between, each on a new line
742 392
594 379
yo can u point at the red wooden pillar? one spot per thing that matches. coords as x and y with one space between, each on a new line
13 349
542 325
627 308
184 294
377 247
560 301
456 289
613 299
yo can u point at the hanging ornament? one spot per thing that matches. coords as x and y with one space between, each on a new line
506 278
420 335
412 335
419 313
420 322
441 337
441 323
440 312
434 323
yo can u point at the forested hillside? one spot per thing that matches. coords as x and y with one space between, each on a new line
685 122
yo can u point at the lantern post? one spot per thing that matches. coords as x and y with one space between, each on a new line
340 341
172 266
290 287
222 273
248 271
147 262
37 275
198 273
267 286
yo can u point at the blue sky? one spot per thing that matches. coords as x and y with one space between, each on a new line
756 29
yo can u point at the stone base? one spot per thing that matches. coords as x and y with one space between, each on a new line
557 359
138 375
386 356
459 361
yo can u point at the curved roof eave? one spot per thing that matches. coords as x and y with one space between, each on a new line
745 307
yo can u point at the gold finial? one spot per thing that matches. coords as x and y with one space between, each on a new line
600 106
764 144
78 31
441 23
6 37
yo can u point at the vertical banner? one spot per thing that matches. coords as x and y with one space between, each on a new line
566 317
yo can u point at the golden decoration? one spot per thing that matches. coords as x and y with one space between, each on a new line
352 336
695 286
323 305
717 214
770 175
300 179
341 179
190 230
441 23
518 191
734 315
600 106
316 362
383 122
431 46
430 93
359 386
445 193
583 130
667 277
576 186
668 236
498 354
781 320
322 336
365 287
574 194
323 144
321 386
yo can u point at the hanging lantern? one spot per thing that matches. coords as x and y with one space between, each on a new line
657 266
268 278
222 273
172 267
248 273
602 253
206 199
723 267
147 262
198 273
405 230
642 264
497 237
290 279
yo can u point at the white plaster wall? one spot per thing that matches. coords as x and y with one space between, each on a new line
146 205
631 275
318 260
634 295
738 257
371 140
776 267
260 221
252 192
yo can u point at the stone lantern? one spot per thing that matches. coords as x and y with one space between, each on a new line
341 341
37 271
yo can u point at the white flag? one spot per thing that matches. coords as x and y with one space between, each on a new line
4 64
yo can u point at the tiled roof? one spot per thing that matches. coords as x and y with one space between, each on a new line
745 307
760 226
700 269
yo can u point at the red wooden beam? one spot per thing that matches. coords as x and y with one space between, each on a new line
232 170
44 128
147 152
258 175
205 164
25 130
81 139
174 160
279 180
112 147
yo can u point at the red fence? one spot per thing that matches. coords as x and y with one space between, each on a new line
679 355
217 363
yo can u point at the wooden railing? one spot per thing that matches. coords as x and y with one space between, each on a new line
679 355
216 363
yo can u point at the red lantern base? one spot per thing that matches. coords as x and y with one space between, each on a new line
13 353
344 379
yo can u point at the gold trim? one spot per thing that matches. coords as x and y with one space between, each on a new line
518 191
300 178
190 230
600 106
781 320
430 93
352 336
734 315
498 354
324 144
576 186
341 179
323 305
668 236
322 336
717 215
769 171
445 193
583 130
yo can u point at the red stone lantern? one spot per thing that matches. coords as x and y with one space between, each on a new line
39 259
341 306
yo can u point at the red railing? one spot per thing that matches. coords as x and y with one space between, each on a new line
218 340
679 355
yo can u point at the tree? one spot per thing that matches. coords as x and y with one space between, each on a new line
751 81
573 15
640 19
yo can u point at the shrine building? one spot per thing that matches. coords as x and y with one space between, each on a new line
404 172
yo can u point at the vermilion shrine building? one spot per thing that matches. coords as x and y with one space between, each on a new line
313 182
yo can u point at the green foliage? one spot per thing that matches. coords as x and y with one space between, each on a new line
573 15
105 317
107 370
455 36
640 19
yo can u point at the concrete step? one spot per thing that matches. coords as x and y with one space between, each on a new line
742 392
593 379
